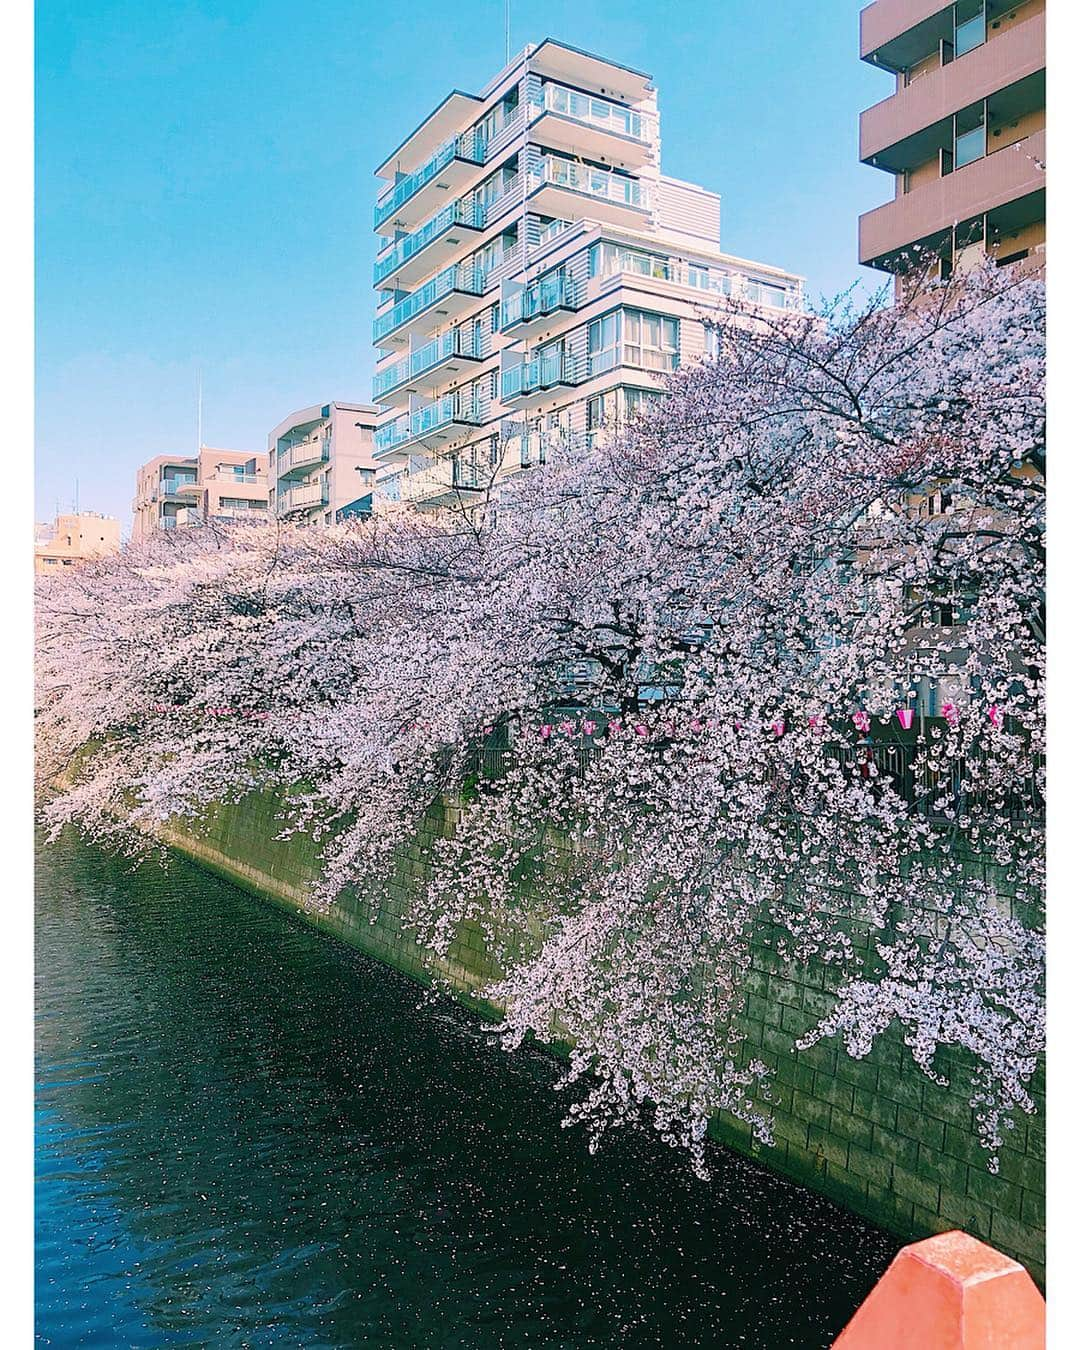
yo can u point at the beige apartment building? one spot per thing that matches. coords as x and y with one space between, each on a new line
320 463
538 276
73 538
215 485
963 133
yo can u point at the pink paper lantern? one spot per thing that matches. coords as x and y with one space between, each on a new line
778 726
862 721
545 731
995 715
951 713
905 716
588 727
640 730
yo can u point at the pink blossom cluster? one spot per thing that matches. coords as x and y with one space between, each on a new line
837 511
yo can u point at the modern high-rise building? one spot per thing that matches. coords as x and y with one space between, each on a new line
176 490
321 466
73 538
538 275
963 133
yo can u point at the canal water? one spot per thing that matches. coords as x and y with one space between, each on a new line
248 1135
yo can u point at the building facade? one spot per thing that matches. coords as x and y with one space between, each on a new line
538 276
222 485
321 465
963 133
73 538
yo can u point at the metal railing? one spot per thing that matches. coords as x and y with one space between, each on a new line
467 278
458 342
472 214
542 372
171 486
469 147
596 112
431 417
599 183
537 300
440 479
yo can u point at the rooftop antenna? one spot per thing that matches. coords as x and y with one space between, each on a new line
198 411
507 13
76 496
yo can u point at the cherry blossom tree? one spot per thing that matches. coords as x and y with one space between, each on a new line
767 665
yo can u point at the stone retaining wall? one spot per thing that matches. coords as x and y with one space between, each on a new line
875 1134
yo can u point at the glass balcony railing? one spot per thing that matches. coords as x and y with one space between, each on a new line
596 112
459 342
443 478
469 147
600 183
432 417
470 214
542 372
466 278
170 486
541 298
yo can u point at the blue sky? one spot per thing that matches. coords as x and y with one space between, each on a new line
204 187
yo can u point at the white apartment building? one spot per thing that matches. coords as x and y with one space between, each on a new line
538 275
321 465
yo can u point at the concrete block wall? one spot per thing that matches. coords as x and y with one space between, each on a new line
874 1134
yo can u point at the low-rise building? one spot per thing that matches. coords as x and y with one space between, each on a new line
538 276
320 463
73 538
222 485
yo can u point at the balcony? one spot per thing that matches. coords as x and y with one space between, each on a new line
530 380
430 365
431 245
411 200
529 307
174 487
439 484
304 497
237 479
896 33
1015 54
302 455
443 297
983 185
433 422
568 119
613 198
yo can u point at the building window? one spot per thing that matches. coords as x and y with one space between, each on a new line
970 141
605 259
651 341
640 401
604 343
712 342
970 25
602 410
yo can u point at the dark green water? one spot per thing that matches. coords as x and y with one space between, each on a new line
250 1136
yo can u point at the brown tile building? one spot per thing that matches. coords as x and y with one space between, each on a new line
963 134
